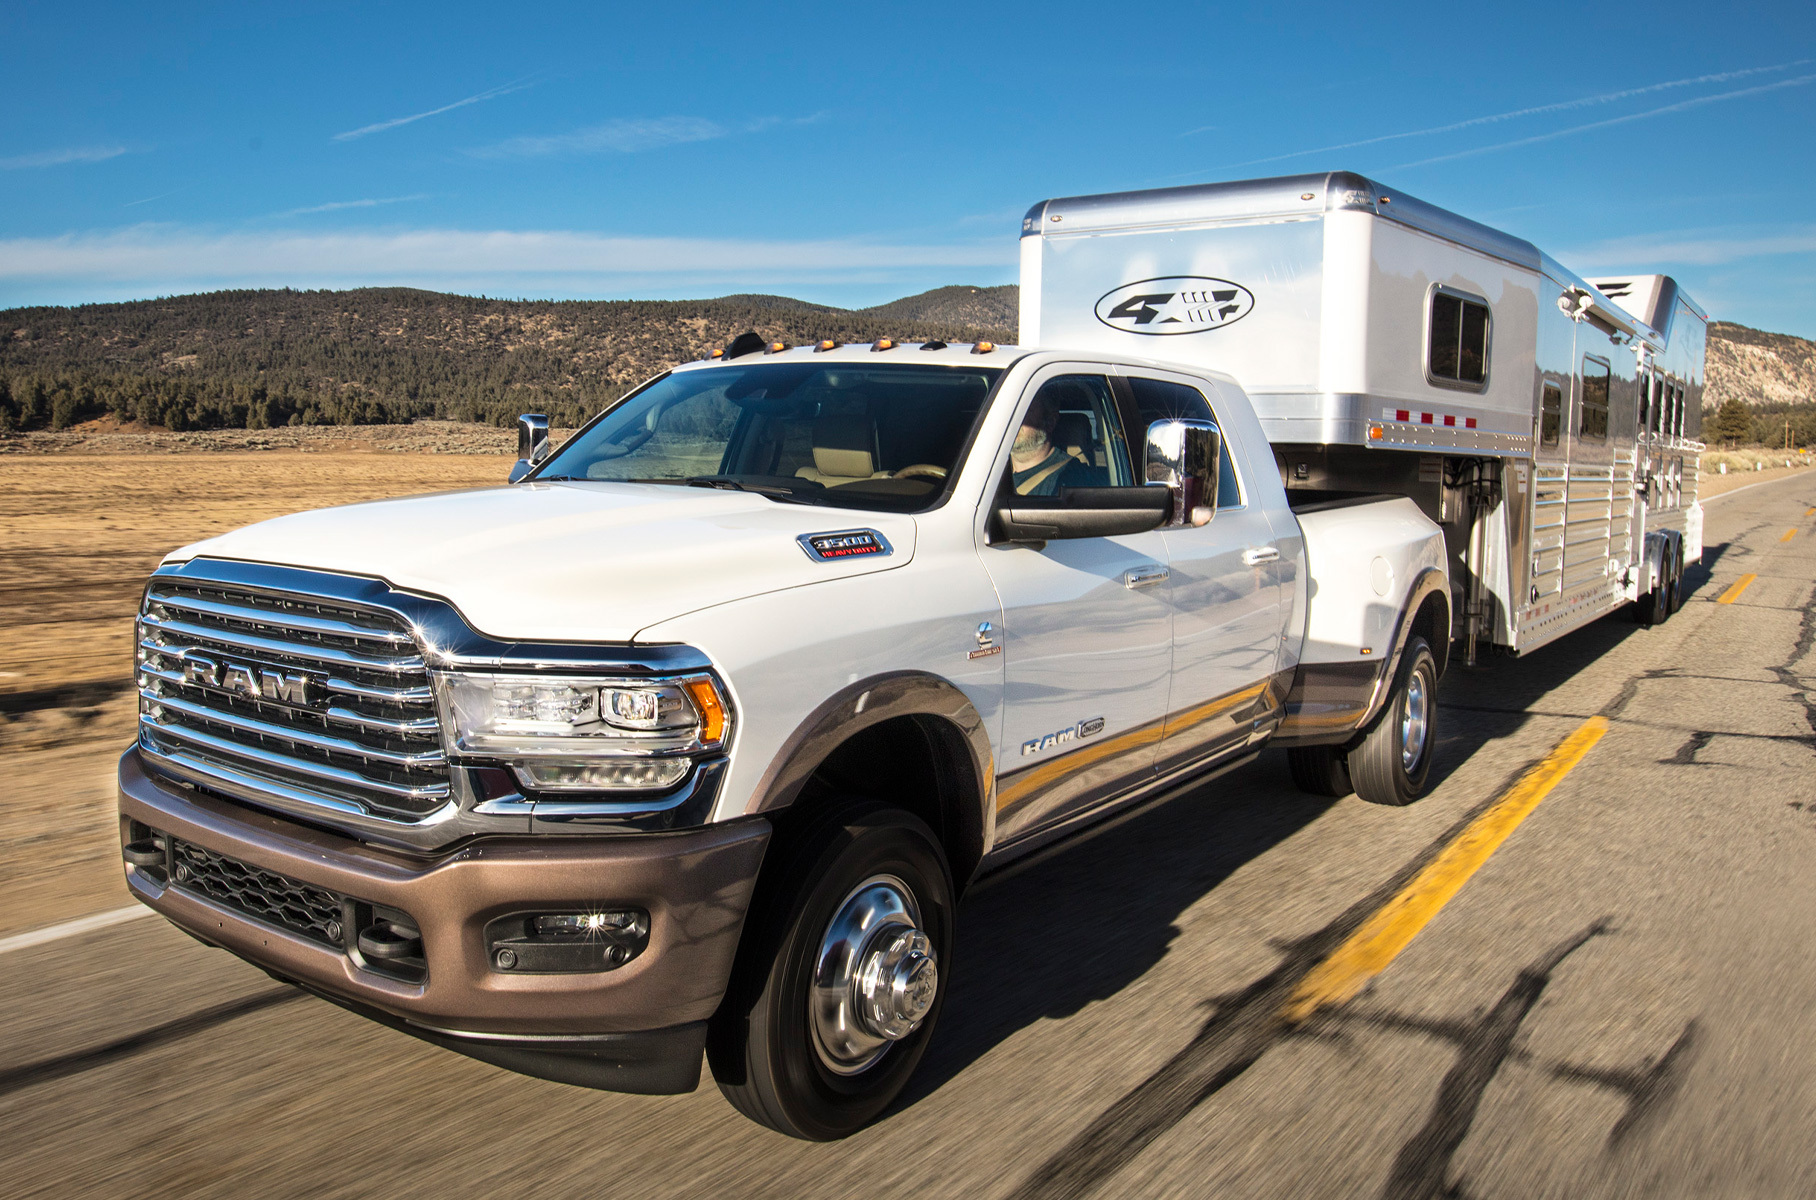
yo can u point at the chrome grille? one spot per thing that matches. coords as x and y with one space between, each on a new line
288 696
311 911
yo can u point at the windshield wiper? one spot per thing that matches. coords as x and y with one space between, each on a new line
775 491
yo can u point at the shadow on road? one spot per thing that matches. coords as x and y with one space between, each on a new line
1093 915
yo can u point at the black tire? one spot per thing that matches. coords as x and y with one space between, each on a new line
1385 768
762 1045
1320 770
1677 575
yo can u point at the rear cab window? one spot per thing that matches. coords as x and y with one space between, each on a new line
1164 400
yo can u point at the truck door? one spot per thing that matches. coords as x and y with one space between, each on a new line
1228 583
1087 628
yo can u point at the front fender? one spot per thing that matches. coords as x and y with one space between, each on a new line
868 703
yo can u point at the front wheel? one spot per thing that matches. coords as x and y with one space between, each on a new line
837 990
1393 761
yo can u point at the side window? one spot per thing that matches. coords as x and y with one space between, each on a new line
1159 400
1645 401
1551 414
1071 436
1593 424
1677 410
1456 346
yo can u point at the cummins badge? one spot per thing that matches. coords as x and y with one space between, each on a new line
1175 304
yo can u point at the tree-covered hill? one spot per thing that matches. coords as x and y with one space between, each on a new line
257 359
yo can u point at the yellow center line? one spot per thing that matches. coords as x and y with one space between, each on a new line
1382 937
1788 535
1735 589
1809 512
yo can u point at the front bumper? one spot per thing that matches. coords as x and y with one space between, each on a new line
638 1027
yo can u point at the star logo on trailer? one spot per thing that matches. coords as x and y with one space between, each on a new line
1175 304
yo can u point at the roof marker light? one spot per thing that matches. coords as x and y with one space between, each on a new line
775 347
883 344
935 344
717 354
826 345
983 348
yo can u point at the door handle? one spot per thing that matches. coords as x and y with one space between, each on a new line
1140 577
1256 555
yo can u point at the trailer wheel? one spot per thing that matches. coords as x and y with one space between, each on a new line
1677 575
1392 762
838 985
1320 770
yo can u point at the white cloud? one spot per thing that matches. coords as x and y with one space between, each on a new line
58 158
338 205
1680 106
628 135
152 259
1515 114
394 122
1693 247
625 136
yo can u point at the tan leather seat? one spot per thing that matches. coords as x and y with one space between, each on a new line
844 450
1072 433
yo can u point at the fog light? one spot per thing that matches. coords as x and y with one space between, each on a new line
567 942
581 924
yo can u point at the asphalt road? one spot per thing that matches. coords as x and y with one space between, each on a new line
1617 1004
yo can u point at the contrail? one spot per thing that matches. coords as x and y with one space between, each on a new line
363 130
1680 106
1560 106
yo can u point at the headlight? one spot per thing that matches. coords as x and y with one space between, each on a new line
581 733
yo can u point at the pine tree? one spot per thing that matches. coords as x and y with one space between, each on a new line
1733 422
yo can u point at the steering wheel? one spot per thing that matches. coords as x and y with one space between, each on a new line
922 471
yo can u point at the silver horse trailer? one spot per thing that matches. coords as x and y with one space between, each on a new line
1548 422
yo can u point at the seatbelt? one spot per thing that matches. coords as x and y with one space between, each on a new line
1026 487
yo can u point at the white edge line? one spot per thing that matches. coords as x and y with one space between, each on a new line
1749 487
37 937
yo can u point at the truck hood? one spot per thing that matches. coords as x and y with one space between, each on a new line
592 562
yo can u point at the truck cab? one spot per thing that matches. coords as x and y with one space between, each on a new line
692 736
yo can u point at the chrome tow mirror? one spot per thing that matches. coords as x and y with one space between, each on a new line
1183 456
532 444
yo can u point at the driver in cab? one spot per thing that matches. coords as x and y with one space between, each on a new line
1040 468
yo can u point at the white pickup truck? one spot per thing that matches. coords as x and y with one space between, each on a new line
692 737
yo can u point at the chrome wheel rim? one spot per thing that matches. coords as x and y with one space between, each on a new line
875 976
1415 720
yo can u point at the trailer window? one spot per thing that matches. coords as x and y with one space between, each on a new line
1159 400
1551 414
1593 424
1456 353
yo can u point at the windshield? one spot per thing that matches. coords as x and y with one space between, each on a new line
845 434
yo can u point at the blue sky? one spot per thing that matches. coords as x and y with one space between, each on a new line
851 155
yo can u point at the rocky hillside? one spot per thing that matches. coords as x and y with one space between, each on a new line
1759 368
